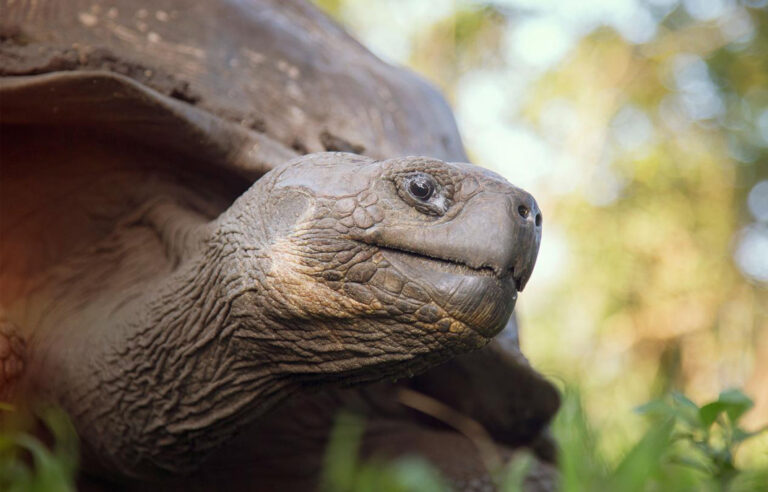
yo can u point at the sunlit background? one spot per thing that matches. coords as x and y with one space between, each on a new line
642 129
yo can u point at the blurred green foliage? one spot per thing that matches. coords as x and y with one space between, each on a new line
706 436
687 448
28 464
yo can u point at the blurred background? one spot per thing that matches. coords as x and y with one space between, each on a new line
641 126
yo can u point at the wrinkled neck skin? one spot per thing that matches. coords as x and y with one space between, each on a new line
178 380
157 384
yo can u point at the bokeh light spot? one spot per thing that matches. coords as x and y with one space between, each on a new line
758 201
752 252
540 42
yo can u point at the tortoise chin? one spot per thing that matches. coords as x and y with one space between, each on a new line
476 297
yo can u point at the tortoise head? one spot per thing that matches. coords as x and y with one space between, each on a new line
388 265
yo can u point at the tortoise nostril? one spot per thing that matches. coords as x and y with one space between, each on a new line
523 211
538 220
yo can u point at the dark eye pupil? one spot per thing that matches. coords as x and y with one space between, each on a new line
421 188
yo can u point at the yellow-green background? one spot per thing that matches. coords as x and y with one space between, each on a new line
641 126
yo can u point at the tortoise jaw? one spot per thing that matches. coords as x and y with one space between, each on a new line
476 297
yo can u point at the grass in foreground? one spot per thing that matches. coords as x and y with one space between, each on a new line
686 448
29 465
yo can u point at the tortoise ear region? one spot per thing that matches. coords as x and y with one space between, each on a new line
287 207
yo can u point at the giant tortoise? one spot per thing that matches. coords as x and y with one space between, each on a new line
223 222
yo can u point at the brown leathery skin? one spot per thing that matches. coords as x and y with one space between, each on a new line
275 294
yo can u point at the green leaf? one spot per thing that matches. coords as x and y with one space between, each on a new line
643 460
687 410
514 475
709 412
66 444
732 402
677 407
417 475
581 467
341 462
735 403
50 475
659 408
684 401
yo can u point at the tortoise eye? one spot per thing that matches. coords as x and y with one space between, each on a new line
422 187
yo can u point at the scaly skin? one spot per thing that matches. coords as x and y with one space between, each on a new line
328 270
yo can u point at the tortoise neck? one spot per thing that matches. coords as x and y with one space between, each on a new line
177 379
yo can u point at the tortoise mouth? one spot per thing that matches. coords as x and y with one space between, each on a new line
440 264
449 265
477 297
